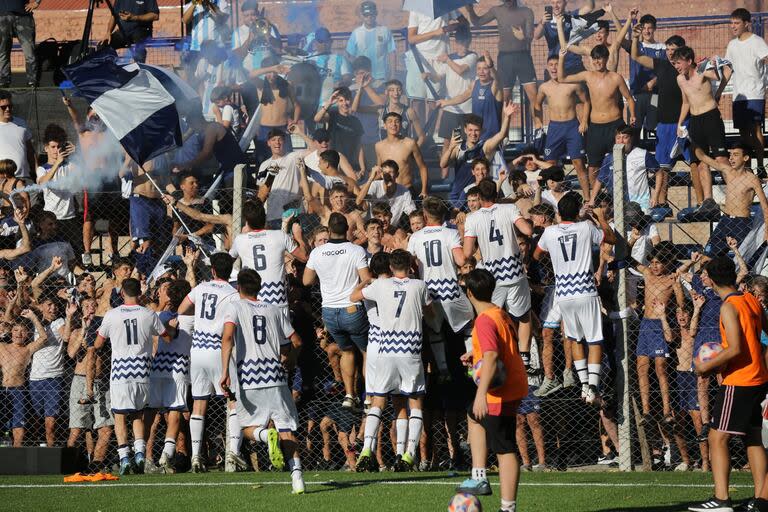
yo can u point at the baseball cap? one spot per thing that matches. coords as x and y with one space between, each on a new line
554 173
322 35
367 8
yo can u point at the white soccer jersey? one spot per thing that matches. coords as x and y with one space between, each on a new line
569 245
264 251
494 229
260 330
433 248
130 330
209 298
400 303
171 360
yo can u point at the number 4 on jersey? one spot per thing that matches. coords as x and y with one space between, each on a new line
495 235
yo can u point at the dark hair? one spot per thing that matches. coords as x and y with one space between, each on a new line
221 264
249 282
400 259
623 129
675 40
481 160
344 91
275 132
379 264
361 62
5 95
480 283
177 292
745 148
131 287
488 190
472 119
338 187
666 252
742 14
119 261
254 214
392 114
321 134
599 52
648 18
434 208
392 82
54 133
373 221
185 175
684 53
391 164
220 92
722 271
337 224
603 25
568 207
381 207
8 168
473 191
331 157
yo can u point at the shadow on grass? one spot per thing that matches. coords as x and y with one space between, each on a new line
670 507
332 485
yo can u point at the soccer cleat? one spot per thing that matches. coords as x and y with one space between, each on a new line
235 463
525 468
713 505
540 468
164 465
548 386
138 463
150 468
125 466
297 482
364 461
475 487
607 459
198 466
408 459
584 391
275 453
569 379
593 396
404 463
425 465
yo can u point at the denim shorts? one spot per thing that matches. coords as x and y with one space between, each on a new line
347 326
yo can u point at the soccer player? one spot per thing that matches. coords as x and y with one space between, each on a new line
569 245
741 364
438 252
130 329
492 229
401 303
492 421
205 302
261 343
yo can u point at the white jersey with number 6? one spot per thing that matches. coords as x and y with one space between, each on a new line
130 330
260 330
494 229
264 251
400 303
569 245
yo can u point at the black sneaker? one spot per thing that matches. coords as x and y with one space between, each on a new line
704 436
713 505
749 505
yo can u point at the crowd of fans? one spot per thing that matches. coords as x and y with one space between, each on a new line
361 178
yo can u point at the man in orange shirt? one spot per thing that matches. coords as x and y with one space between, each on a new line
492 420
742 365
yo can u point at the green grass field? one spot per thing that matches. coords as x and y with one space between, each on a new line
332 491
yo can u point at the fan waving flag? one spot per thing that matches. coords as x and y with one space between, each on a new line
133 104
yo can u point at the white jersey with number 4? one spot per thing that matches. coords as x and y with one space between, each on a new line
209 299
130 330
264 251
569 245
260 330
494 229
400 303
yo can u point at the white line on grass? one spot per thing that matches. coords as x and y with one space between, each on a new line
100 485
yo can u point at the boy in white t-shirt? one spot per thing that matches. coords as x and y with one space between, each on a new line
224 112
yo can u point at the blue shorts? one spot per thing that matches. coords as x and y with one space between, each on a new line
666 135
651 342
148 217
748 113
564 139
347 326
47 396
705 334
531 403
734 227
14 401
686 391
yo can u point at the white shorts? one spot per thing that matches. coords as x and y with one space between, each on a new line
205 373
516 297
399 376
458 314
582 319
371 357
550 310
415 85
168 393
256 407
128 397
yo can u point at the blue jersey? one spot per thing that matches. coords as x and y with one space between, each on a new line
484 104
573 62
639 76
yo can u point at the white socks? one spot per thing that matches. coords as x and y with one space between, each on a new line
415 423
580 365
139 446
261 435
169 448
401 434
196 427
235 433
123 451
594 375
372 421
479 474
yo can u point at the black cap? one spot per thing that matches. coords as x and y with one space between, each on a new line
368 7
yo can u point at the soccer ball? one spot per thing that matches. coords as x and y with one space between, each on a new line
498 378
708 351
464 502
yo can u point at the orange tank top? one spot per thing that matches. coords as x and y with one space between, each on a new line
497 322
748 368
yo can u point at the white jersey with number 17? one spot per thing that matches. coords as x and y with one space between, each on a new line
569 245
494 229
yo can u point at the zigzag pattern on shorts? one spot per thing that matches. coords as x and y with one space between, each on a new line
273 293
206 341
136 367
505 269
400 342
580 283
260 371
171 362
443 290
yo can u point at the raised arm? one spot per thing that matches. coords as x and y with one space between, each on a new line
570 79
26 244
643 60
492 144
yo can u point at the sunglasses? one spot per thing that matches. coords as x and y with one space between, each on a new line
6 107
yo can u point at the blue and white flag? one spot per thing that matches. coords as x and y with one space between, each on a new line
134 105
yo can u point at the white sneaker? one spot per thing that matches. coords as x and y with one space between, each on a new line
87 259
198 466
569 379
548 386
593 396
234 463
164 465
297 482
683 467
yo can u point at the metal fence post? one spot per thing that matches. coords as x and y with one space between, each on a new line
237 199
622 343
